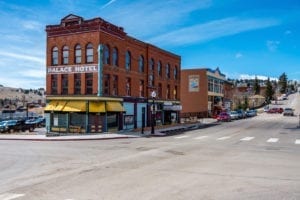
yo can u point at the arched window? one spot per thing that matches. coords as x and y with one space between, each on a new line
128 60
168 70
151 64
65 55
55 56
159 70
175 73
89 53
78 53
106 55
141 64
115 57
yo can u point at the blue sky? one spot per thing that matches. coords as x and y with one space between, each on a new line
243 38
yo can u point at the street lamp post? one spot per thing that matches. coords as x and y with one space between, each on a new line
153 95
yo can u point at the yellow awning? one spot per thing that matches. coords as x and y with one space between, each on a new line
96 107
75 106
114 106
55 106
50 106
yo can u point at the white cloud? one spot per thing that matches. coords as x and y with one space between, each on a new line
23 57
272 45
288 32
107 4
147 17
212 30
238 55
32 25
260 77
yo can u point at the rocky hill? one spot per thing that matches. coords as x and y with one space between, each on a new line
13 98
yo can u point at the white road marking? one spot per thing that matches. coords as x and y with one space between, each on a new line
297 142
247 138
273 140
201 137
10 196
224 138
180 137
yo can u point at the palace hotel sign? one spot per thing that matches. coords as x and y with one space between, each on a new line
72 69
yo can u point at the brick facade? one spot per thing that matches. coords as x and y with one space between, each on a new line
73 67
98 31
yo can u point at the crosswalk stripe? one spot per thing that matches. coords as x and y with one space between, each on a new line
224 138
201 137
247 138
273 140
297 142
10 196
180 137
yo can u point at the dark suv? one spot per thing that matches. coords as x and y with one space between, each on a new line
19 125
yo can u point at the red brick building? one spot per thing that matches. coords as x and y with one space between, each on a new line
202 92
101 79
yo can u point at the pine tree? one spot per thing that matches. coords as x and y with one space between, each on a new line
269 91
256 86
283 83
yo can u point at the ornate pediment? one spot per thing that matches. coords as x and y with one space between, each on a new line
71 20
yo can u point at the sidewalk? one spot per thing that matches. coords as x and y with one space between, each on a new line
178 129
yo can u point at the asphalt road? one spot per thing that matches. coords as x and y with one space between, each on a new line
255 158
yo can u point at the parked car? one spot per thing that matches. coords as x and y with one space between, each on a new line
275 110
3 127
224 117
266 108
19 125
251 113
234 115
241 114
288 112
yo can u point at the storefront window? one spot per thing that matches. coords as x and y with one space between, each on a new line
112 121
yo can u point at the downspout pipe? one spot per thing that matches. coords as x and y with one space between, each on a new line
100 69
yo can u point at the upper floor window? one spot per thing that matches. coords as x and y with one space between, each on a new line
89 53
54 84
151 80
128 60
141 88
175 73
89 83
168 71
141 63
151 65
64 83
175 92
168 95
115 57
159 70
77 83
55 56
106 55
65 55
159 90
128 87
77 54
115 85
106 87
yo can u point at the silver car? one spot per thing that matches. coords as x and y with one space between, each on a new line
234 115
288 112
